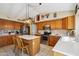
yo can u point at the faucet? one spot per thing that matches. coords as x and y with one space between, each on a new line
70 33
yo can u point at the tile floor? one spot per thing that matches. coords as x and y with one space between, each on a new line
44 51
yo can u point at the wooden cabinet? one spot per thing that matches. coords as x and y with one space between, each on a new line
64 23
34 45
40 25
1 24
68 22
48 23
53 24
71 22
7 24
16 25
58 24
11 25
1 41
53 40
6 40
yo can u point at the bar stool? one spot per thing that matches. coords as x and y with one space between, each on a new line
21 46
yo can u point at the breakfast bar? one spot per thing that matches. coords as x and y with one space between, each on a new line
33 41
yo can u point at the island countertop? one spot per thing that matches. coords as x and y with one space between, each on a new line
69 48
28 37
33 42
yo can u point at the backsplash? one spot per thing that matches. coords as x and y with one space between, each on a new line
59 32
55 32
7 31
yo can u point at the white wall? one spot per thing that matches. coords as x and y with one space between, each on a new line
77 25
77 22
18 10
60 14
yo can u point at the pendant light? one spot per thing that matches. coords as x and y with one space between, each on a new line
28 18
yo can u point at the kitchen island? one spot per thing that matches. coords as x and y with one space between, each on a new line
33 41
66 46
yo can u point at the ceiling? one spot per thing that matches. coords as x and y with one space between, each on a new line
19 10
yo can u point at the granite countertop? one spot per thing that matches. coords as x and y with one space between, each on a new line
67 47
57 34
28 37
7 34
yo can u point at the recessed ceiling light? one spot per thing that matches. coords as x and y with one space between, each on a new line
40 3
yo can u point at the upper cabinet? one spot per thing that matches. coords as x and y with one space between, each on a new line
68 22
1 24
63 23
58 24
53 24
71 22
7 24
16 25
41 25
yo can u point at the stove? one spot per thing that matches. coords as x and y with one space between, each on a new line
45 35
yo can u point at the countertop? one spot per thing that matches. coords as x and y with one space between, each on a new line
7 34
67 46
28 37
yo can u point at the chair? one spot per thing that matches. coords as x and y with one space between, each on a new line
15 45
21 46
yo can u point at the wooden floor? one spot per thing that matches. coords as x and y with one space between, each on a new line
44 51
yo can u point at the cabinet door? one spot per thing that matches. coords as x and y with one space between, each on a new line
8 23
6 40
48 23
17 25
53 40
64 23
40 25
11 25
1 41
71 22
1 24
53 24
58 24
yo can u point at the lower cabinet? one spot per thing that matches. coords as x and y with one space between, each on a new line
52 40
6 40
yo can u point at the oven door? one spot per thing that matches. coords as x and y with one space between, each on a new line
44 37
